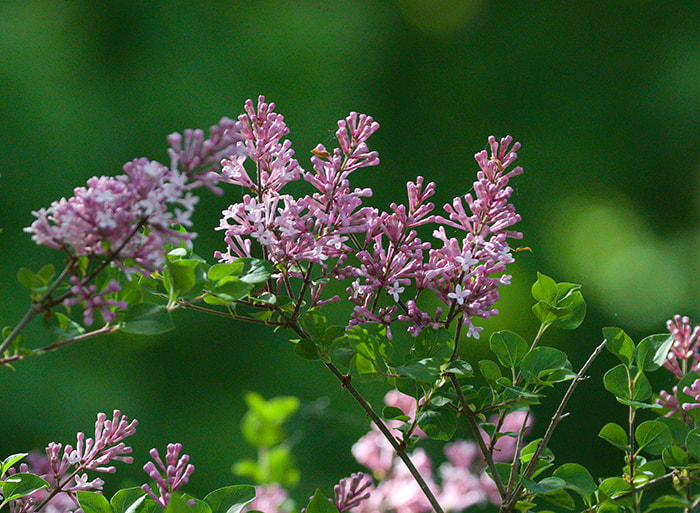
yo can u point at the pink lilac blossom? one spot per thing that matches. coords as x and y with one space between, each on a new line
270 498
292 232
63 468
388 257
694 392
463 481
683 356
92 300
169 475
200 158
127 219
515 422
351 491
670 401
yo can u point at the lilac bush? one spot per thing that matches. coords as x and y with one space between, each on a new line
414 281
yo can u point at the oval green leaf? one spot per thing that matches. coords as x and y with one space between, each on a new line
653 437
147 319
230 499
577 478
93 502
614 435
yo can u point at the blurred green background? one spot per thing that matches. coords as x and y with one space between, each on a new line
604 97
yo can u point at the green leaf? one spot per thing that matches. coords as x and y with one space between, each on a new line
615 435
544 289
147 319
652 351
179 504
127 500
67 328
490 370
394 413
93 502
653 437
218 271
179 276
438 424
459 368
510 348
640 405
11 460
577 478
614 486
20 485
371 343
435 344
314 323
692 443
423 371
547 485
548 313
674 457
650 469
150 506
529 450
617 381
307 349
570 297
231 288
252 270
541 362
619 344
230 499
679 429
46 274
667 502
319 504
27 278
560 498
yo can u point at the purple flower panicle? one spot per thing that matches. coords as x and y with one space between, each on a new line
683 356
351 491
169 475
64 467
108 218
380 253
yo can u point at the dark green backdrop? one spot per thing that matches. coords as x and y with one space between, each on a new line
604 96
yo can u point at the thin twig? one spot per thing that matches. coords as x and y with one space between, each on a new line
556 418
107 328
471 418
35 308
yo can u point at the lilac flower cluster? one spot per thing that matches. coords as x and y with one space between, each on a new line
462 481
200 158
271 498
126 218
64 467
379 251
294 232
169 475
682 358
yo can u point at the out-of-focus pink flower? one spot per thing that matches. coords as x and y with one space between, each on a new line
374 451
514 422
270 498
